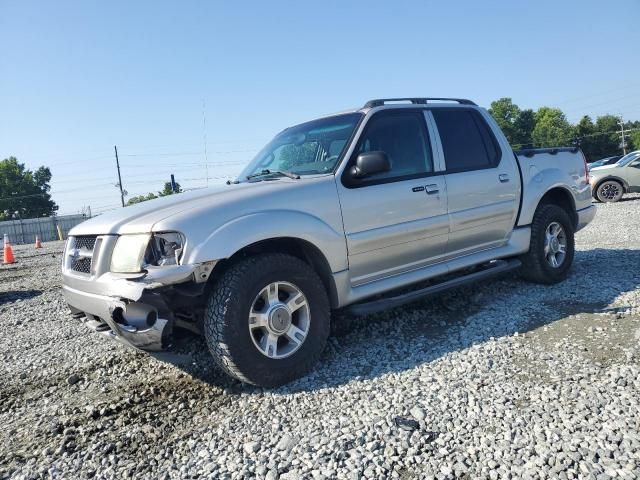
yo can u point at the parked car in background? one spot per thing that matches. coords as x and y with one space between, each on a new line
604 161
610 182
351 211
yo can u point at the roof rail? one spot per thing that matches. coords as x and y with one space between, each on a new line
415 100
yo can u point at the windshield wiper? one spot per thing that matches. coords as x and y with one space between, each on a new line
266 171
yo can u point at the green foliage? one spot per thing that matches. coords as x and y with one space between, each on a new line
168 191
516 124
24 191
633 142
506 113
150 196
551 128
548 127
599 139
141 198
524 126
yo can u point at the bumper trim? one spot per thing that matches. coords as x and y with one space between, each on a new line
135 324
585 216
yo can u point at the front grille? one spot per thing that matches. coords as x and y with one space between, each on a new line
81 253
82 265
84 242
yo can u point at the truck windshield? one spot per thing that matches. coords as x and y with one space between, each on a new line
306 149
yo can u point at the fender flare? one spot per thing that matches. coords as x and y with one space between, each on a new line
246 230
530 205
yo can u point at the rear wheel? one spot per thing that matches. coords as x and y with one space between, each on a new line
551 249
267 319
609 191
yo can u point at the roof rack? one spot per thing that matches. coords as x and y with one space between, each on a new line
378 102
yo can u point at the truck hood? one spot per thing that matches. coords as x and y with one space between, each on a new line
141 217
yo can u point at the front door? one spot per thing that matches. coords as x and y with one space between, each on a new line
632 175
483 184
394 221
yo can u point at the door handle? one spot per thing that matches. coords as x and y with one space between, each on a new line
503 177
433 188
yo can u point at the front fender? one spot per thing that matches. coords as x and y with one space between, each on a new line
240 232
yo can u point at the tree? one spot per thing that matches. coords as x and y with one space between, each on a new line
141 198
633 142
516 124
167 190
584 131
505 113
524 126
24 191
551 128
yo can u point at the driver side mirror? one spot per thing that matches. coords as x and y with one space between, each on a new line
370 163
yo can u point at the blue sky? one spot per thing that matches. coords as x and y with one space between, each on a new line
78 77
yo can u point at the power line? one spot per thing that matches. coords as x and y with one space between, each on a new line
571 100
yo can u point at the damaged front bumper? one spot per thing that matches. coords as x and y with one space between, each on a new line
128 307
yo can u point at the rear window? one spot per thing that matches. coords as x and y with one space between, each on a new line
467 142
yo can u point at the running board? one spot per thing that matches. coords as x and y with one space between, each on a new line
498 267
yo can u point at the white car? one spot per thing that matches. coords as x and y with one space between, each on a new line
611 182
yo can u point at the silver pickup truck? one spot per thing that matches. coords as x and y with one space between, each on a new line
357 212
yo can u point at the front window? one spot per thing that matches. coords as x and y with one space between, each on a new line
307 149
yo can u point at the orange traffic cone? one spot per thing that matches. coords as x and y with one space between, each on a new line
8 252
38 242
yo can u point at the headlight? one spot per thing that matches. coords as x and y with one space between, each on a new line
133 253
128 253
165 249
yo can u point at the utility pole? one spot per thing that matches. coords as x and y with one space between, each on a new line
204 139
624 143
119 177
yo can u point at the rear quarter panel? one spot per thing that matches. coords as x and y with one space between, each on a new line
545 171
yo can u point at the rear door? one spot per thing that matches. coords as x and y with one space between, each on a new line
394 221
483 183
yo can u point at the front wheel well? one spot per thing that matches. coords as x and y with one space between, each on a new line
564 199
302 249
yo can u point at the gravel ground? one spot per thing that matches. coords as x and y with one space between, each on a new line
500 380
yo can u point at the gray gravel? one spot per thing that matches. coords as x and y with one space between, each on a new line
502 380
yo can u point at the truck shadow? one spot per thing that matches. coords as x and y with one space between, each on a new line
15 295
420 333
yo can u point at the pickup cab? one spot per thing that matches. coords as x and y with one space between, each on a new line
352 212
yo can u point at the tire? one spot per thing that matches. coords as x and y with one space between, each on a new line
245 352
537 264
610 191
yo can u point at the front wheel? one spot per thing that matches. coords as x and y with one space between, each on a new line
551 249
267 319
609 191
